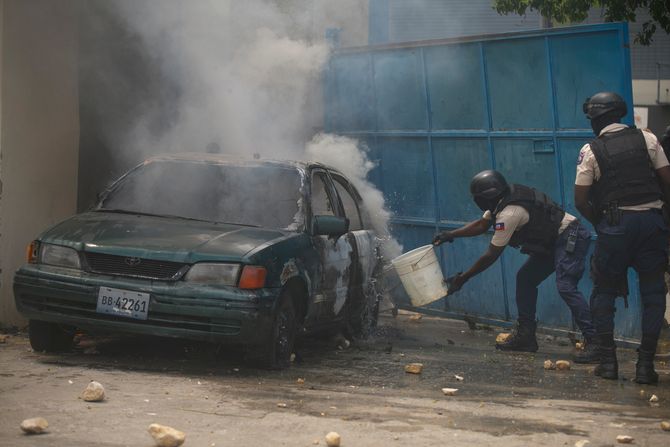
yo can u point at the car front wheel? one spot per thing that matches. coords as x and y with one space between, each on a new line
49 337
276 354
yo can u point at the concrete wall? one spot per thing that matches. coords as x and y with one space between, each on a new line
39 130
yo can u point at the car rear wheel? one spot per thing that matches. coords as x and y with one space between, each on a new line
276 354
49 337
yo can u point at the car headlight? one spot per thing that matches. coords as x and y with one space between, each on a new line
213 273
59 256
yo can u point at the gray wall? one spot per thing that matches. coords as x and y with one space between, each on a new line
39 128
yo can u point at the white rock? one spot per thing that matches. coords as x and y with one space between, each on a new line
502 337
548 364
457 377
94 392
3 338
653 398
562 365
333 439
449 391
165 436
624 439
582 443
414 368
665 425
34 426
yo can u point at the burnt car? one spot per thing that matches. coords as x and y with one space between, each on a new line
203 247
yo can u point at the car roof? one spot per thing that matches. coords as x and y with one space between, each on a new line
232 160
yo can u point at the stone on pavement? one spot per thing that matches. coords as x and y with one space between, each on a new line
34 426
548 364
562 365
449 391
414 368
582 443
94 392
165 436
333 439
653 398
502 337
624 439
665 425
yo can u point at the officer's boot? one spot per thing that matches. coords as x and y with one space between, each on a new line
590 353
608 368
644 368
522 338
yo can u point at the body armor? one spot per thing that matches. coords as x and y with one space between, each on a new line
539 235
627 176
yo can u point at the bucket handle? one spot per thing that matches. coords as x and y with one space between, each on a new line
414 264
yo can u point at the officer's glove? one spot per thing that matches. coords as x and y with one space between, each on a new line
443 236
455 283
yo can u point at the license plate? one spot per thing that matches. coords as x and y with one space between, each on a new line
125 303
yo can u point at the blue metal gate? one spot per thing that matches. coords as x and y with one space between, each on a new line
434 113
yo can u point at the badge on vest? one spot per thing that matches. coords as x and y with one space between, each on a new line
500 226
580 158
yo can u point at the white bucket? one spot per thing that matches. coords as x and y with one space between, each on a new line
421 275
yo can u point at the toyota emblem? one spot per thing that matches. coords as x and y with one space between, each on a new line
133 261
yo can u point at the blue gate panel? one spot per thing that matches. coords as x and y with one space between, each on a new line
456 89
569 149
351 94
400 91
519 88
456 161
407 176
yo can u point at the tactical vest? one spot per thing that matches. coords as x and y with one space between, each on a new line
539 235
627 176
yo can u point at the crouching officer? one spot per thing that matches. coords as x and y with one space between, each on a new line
555 241
622 177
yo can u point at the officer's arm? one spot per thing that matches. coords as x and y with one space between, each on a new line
582 203
664 177
474 228
485 261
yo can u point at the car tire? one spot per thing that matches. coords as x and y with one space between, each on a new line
276 354
49 337
362 312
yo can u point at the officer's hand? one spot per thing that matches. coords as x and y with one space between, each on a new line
443 236
455 283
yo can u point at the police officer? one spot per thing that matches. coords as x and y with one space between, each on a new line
555 241
622 179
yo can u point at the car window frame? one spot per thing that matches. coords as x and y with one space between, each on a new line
338 209
336 177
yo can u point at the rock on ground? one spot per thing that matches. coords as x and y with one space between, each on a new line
414 368
333 439
449 391
624 439
562 365
548 364
34 426
665 425
94 392
582 443
165 436
502 337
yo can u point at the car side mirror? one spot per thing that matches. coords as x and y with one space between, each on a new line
333 226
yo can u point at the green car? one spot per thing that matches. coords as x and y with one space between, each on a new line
203 247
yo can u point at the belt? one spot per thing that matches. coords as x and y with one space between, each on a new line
653 210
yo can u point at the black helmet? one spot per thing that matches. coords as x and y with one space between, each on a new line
487 188
604 102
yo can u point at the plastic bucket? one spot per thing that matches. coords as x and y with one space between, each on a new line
421 275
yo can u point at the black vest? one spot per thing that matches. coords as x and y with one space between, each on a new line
539 235
627 176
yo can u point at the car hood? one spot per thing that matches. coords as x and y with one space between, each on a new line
161 238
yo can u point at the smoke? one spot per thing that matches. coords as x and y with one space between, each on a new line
248 80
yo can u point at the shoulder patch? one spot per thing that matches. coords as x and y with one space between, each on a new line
580 158
500 226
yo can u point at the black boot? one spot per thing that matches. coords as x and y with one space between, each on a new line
644 368
608 368
590 353
521 339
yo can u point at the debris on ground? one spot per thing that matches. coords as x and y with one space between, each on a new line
562 365
34 426
457 377
548 364
3 338
94 392
341 342
502 337
333 439
579 346
300 381
653 398
582 443
449 391
665 425
414 368
165 436
624 439
282 405
415 318
292 358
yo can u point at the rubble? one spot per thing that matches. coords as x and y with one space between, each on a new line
624 439
34 426
665 425
165 436
562 365
582 443
94 392
653 398
282 405
502 337
457 377
415 318
414 368
579 346
3 338
449 391
300 381
333 439
548 364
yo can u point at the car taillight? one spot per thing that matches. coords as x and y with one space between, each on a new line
252 277
32 252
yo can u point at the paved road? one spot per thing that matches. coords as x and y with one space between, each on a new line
362 393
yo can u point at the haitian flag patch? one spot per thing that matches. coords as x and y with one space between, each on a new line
500 226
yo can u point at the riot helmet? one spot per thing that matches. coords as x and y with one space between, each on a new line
605 103
487 188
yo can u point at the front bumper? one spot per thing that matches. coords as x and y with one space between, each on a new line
177 309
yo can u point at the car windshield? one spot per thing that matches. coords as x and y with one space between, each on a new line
259 195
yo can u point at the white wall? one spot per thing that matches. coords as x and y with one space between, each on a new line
645 91
39 128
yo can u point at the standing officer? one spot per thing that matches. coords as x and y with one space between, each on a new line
622 178
555 241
